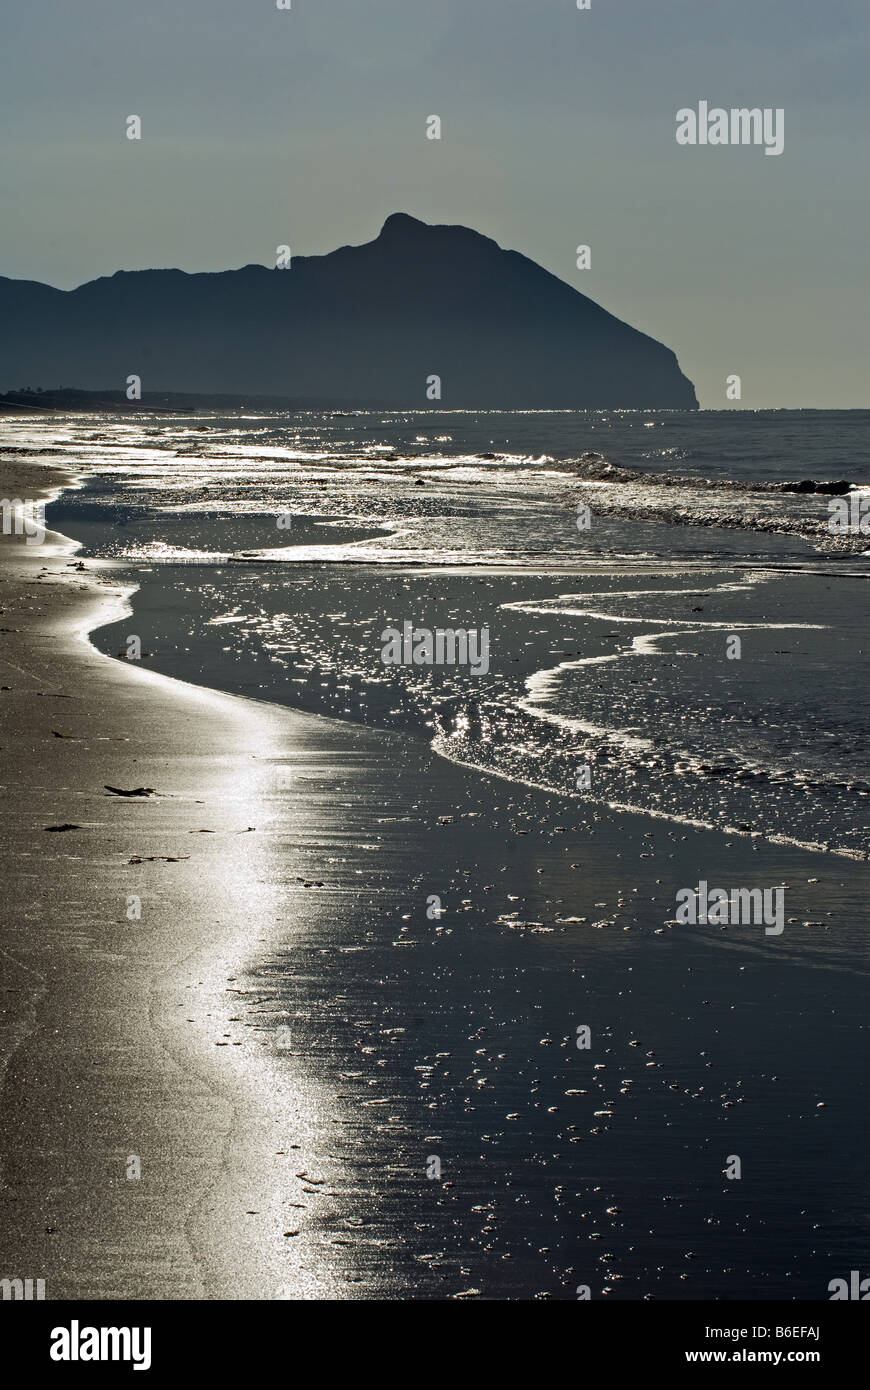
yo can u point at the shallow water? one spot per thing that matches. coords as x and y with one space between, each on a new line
609 647
455 1037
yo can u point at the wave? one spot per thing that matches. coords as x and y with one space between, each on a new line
772 507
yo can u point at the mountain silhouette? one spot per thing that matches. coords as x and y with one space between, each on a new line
364 324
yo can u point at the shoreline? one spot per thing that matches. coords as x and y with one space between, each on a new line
90 1230
157 1037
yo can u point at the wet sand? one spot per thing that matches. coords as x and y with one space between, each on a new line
301 855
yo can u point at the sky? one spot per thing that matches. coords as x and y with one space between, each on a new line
306 127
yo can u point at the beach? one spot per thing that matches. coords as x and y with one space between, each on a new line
333 1088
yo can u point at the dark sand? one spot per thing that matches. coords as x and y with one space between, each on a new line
300 1171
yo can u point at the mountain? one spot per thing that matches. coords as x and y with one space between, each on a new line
365 323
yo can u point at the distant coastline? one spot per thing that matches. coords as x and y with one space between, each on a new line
52 400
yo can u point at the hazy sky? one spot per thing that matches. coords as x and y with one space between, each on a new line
308 127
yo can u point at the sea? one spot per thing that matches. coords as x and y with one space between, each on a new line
675 622
674 693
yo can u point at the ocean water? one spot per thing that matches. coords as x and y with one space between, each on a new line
608 656
273 551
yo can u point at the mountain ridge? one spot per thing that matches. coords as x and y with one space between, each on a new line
376 321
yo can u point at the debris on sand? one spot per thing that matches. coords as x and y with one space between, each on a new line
152 858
